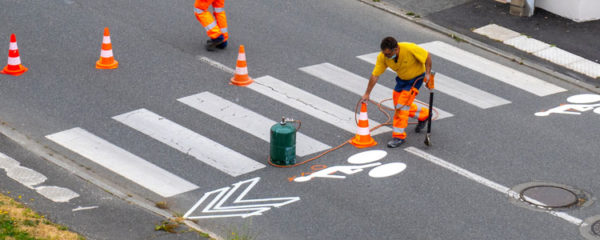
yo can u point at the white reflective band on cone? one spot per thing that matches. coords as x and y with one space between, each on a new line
363 116
210 26
14 61
241 71
242 57
106 39
106 53
363 131
218 10
12 46
398 130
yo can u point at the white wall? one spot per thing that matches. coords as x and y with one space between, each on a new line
576 10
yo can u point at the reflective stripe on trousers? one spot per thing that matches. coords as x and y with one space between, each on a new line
405 108
216 26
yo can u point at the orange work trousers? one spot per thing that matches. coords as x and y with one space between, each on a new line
405 108
214 28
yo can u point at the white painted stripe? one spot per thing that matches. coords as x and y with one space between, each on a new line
14 60
122 162
106 39
496 32
488 183
57 194
241 70
558 56
189 142
106 53
492 69
310 104
527 44
247 120
455 88
12 46
241 57
356 84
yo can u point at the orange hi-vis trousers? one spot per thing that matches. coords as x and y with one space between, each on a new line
405 108
213 28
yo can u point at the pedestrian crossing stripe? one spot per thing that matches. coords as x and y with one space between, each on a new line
247 120
492 69
455 88
356 84
310 104
189 142
122 162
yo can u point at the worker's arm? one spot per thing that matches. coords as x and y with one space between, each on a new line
428 64
372 82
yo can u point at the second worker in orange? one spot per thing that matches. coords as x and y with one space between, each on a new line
216 28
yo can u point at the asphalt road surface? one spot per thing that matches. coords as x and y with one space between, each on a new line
167 126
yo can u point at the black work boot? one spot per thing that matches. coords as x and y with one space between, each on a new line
395 142
211 45
420 126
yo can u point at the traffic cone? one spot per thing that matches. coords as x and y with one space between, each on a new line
107 60
363 137
241 78
14 66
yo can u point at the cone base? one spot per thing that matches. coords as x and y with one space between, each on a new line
22 69
100 65
362 144
241 83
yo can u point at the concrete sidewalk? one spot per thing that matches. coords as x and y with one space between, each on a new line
464 16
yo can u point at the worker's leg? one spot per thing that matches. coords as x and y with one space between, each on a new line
401 113
208 22
221 16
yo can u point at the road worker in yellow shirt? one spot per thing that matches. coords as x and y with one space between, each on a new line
412 64
216 28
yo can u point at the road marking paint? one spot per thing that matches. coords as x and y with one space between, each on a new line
239 207
356 84
122 162
80 208
310 104
247 120
56 194
488 183
497 32
386 170
29 178
492 69
455 88
367 156
189 142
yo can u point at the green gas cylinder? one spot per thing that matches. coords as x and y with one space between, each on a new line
283 143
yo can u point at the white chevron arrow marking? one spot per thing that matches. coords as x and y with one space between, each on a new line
239 207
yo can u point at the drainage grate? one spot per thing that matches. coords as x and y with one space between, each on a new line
547 196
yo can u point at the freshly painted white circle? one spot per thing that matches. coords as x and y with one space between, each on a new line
387 170
584 98
367 156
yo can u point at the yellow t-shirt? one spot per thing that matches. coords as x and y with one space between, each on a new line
411 61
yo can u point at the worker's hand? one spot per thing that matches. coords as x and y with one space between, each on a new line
364 98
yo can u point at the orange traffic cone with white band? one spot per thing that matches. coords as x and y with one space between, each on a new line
107 60
14 66
241 78
363 137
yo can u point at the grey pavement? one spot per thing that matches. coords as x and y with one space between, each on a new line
94 214
463 16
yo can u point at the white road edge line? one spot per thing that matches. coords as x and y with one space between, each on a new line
485 182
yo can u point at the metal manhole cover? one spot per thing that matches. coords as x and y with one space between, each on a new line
596 228
549 196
